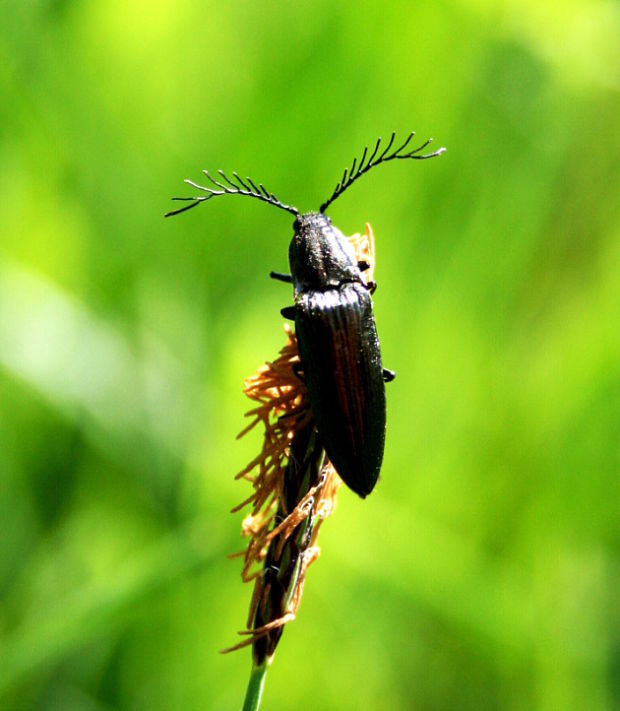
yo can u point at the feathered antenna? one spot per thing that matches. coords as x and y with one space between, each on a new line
234 186
365 164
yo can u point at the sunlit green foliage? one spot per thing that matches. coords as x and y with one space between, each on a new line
483 572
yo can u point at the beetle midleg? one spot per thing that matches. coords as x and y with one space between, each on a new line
280 276
388 375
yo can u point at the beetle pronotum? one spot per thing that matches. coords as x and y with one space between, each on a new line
334 323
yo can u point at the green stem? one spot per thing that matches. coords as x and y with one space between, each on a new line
255 687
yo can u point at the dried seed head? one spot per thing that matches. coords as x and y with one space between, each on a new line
294 485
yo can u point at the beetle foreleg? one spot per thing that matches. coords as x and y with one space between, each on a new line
281 277
388 375
364 266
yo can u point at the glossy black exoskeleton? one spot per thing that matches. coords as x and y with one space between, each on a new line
334 323
339 350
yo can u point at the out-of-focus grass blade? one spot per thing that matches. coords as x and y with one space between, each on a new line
46 637
506 605
56 344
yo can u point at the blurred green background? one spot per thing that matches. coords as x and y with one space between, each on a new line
483 572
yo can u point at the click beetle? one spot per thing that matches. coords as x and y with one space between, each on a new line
339 350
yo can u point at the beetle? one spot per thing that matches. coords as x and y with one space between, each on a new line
340 358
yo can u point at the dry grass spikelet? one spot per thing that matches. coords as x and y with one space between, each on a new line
294 489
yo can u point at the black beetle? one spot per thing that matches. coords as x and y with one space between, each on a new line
334 322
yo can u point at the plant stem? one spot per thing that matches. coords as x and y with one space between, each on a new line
255 687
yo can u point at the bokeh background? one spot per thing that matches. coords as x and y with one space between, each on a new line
483 572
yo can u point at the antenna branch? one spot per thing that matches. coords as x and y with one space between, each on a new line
229 186
366 163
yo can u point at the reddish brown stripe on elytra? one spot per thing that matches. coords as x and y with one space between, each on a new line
349 384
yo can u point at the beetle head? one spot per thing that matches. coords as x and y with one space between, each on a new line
309 221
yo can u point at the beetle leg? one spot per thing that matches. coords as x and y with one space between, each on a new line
270 571
364 266
388 375
298 369
288 312
281 277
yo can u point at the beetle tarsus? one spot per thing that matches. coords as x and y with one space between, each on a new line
288 312
388 375
280 276
371 286
363 265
